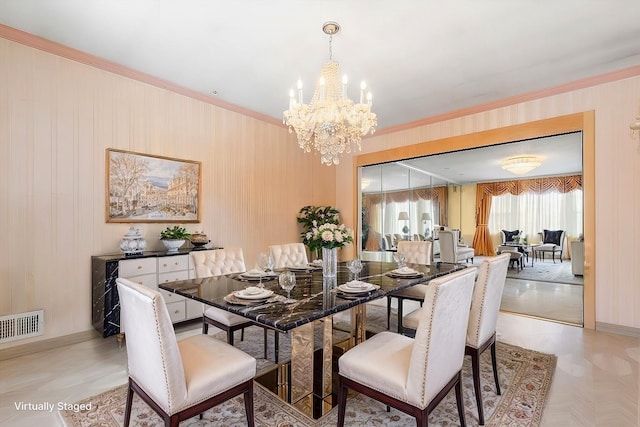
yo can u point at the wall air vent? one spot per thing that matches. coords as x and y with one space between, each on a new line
23 325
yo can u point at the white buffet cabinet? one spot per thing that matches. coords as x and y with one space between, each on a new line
153 271
149 269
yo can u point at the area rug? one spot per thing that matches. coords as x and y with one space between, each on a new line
525 378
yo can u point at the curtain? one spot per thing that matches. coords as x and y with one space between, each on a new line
383 209
485 191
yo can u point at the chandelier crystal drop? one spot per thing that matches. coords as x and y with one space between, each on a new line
332 124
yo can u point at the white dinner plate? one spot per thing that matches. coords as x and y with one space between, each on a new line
367 287
405 272
299 268
255 276
243 294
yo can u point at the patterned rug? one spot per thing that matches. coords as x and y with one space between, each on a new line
525 378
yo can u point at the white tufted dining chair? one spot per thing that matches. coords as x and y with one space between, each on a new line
415 253
289 255
178 379
218 262
481 331
414 375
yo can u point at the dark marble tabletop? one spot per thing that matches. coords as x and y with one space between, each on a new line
314 297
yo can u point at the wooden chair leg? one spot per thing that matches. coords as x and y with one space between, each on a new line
265 342
242 334
342 403
276 345
494 362
248 406
388 313
230 336
205 327
127 411
400 314
475 368
460 402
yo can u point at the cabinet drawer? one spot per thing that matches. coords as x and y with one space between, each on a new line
173 263
148 280
170 297
136 267
176 311
173 276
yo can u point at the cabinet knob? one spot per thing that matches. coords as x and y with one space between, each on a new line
177 263
164 265
139 267
176 312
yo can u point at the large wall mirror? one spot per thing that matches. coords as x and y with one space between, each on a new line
407 193
410 199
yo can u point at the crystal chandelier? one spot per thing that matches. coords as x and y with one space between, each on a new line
331 123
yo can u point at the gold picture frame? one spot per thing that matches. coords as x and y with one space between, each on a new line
147 188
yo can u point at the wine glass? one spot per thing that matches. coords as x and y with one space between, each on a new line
399 258
355 267
270 263
287 281
266 262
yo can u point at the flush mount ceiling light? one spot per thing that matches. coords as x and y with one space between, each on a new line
521 164
331 123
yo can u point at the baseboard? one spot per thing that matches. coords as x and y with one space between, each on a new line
618 329
48 344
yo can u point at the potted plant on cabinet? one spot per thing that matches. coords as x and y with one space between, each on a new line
174 237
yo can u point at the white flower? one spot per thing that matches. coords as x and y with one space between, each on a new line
339 237
327 235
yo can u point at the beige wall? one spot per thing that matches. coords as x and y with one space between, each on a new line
58 116
617 175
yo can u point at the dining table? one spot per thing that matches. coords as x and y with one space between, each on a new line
308 313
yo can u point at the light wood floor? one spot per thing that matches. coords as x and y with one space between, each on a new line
596 381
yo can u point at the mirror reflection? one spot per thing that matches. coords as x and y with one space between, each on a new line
413 198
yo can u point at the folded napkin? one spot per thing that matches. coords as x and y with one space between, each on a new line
255 272
253 290
356 284
405 270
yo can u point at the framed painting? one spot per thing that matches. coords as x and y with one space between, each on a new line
147 188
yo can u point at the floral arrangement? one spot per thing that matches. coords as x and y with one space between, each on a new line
321 228
175 233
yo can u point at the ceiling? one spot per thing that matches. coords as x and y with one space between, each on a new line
560 155
419 57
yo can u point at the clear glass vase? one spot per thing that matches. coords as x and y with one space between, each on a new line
329 262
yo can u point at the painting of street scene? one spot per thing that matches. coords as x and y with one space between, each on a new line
146 188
